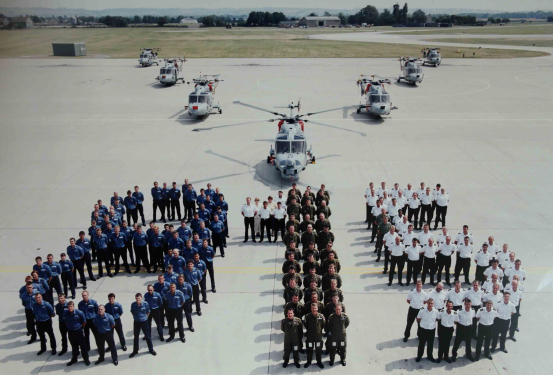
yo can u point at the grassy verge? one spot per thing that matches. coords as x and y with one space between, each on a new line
500 41
218 43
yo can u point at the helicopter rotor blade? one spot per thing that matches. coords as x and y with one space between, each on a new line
337 127
327 110
258 108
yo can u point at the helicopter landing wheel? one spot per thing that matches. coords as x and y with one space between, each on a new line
358 111
398 80
220 111
313 160
268 160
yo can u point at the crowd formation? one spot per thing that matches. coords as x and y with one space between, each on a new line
488 311
183 255
322 313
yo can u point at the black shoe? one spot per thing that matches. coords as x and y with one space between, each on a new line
512 338
100 360
470 359
285 364
307 364
72 297
223 255
199 313
192 329
124 348
87 362
297 364
115 273
517 329
489 356
331 363
116 362
110 275
245 242
41 351
477 358
435 228
183 340
137 271
153 352
254 241
302 351
260 241
432 360
407 284
405 339
169 339
71 362
54 351
447 359
401 284
439 360
133 354
492 350
343 362
214 290
84 287
377 260
205 301
384 272
144 338
320 364
97 277
161 338
389 284
33 339
63 351
504 350
418 359
372 241
93 278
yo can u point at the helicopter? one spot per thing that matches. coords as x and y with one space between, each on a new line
148 56
378 100
171 72
432 56
411 70
200 102
290 155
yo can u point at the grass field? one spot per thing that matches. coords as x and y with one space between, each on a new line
506 41
496 30
218 43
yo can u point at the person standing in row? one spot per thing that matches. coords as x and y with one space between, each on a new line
505 311
140 240
61 308
157 197
397 253
314 324
442 201
249 212
76 254
175 305
293 333
44 312
415 299
116 310
427 318
485 317
446 326
89 307
336 328
105 325
174 196
155 302
140 310
130 203
193 276
465 317
75 321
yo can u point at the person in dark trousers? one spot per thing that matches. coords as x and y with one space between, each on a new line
140 240
75 321
157 196
76 254
61 308
207 254
139 203
175 303
86 245
28 300
89 307
174 195
116 310
193 276
155 301
140 311
427 318
67 275
105 324
446 326
464 330
44 312
249 211
130 203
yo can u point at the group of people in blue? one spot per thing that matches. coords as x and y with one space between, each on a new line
184 256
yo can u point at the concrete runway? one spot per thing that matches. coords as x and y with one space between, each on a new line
73 131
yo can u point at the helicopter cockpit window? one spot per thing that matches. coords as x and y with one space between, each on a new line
385 99
412 70
169 71
298 147
282 147
202 99
192 99
374 98
162 71
432 55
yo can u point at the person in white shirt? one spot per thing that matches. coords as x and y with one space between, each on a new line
387 240
429 262
444 253
279 215
485 317
414 207
493 249
367 195
505 310
425 235
402 224
408 192
421 190
493 295
442 236
503 255
456 295
464 252
464 321
460 238
375 211
475 294
386 200
435 192
394 192
482 260
516 299
414 260
265 223
438 295
426 208
415 299
408 235
281 199
516 270
397 255
382 189
494 269
427 318
402 201
393 209
508 264
441 201
493 280
249 211
446 323
371 203
257 219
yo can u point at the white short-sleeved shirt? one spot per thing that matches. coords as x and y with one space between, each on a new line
402 227
392 210
502 257
442 237
439 298
442 200
495 298
408 193
264 213
509 287
375 211
490 271
475 297
387 201
465 317
416 299
460 239
516 296
507 264
272 206
465 251
397 250
423 237
280 213
414 203
380 192
428 318
513 271
504 310
372 200
248 211
488 286
368 191
482 259
413 253
486 317
493 249
447 320
430 251
426 199
402 201
281 200
421 192
390 238
446 249
394 193
456 298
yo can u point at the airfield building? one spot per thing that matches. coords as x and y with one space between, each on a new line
320 21
190 22
21 23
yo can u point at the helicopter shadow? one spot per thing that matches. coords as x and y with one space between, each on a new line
158 86
405 84
183 118
367 118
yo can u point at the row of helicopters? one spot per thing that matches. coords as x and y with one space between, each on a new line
290 154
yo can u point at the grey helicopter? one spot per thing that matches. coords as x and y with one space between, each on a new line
411 71
431 56
200 102
377 100
148 56
290 155
171 72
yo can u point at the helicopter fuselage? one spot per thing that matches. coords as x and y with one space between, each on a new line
147 58
433 57
170 74
412 72
378 101
290 155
